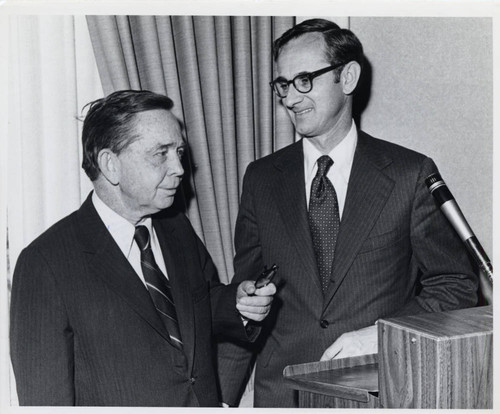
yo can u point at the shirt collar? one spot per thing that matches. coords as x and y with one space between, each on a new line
342 155
120 228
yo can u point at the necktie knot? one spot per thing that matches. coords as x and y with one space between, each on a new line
318 184
324 164
141 237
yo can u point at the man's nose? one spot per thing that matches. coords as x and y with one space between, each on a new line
176 168
293 97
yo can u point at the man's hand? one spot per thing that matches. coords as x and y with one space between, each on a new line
361 342
254 303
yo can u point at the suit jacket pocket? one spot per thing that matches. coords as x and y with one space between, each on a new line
380 241
267 353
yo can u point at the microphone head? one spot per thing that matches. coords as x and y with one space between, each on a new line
433 179
438 188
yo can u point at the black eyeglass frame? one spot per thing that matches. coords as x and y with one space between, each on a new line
310 76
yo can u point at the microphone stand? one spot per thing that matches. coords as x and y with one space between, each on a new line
449 207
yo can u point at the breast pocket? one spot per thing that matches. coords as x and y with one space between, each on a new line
380 241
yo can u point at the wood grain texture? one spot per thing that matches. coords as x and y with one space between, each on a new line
320 366
313 400
437 360
447 324
343 383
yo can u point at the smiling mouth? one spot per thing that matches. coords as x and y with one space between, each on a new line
303 112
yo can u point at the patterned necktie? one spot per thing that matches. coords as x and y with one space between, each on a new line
158 286
324 220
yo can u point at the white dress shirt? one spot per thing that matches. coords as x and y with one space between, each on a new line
123 231
342 156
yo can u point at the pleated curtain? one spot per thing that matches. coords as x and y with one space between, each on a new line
51 74
217 71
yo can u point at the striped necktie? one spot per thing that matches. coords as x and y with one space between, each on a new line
158 286
324 220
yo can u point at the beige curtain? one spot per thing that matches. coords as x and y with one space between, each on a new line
216 70
51 73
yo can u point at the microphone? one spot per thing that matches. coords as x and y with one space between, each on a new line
449 207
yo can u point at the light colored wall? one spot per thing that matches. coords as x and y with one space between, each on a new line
431 90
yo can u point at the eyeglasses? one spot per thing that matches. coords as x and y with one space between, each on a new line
303 82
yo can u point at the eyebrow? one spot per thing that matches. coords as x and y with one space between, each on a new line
167 146
298 74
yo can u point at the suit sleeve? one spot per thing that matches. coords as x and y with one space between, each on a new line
226 320
41 340
447 278
234 359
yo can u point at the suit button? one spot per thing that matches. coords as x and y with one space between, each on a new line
324 323
192 381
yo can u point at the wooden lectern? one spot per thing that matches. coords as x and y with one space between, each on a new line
430 360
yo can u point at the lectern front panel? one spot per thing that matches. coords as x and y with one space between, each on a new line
437 360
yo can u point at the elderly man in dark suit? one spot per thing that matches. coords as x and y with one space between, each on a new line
346 217
115 304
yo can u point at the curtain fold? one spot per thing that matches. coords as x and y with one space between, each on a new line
262 70
49 80
283 129
216 69
202 122
228 121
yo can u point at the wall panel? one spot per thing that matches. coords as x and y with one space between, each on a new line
429 88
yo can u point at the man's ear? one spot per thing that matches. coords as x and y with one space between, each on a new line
109 165
350 77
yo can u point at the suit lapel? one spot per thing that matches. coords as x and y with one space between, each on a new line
175 262
108 262
291 201
367 193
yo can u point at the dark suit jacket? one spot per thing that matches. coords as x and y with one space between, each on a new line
84 330
396 254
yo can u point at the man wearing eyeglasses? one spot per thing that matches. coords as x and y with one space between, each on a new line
346 217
